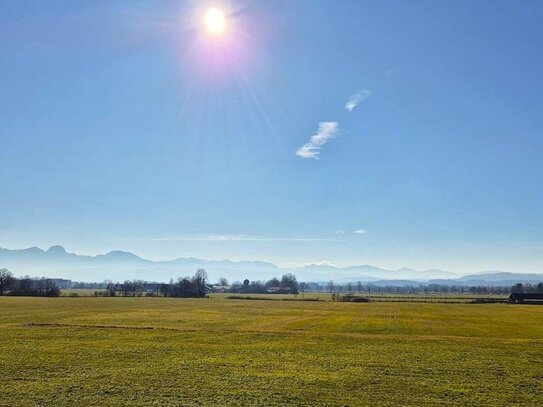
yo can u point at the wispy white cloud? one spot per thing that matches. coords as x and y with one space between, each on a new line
354 232
325 132
356 98
393 70
234 238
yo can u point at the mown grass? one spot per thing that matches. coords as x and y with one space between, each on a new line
161 351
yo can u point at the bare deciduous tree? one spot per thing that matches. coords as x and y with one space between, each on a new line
137 287
289 283
6 279
111 288
330 287
164 289
200 279
126 287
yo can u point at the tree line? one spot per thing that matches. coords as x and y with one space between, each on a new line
27 286
527 288
288 284
198 286
184 287
368 288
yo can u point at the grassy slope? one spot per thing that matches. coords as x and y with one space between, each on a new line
228 352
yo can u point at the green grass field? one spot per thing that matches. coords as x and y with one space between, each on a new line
218 352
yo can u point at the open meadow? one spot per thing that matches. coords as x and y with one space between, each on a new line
163 351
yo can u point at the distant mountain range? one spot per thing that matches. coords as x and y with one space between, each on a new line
120 265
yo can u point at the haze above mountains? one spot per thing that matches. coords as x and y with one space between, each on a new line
56 262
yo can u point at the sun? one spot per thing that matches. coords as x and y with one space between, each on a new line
214 21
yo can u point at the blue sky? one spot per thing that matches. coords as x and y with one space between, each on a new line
124 125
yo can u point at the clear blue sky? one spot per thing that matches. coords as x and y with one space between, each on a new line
125 125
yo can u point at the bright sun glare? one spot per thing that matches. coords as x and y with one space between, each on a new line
214 21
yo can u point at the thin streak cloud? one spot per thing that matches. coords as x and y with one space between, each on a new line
325 132
234 238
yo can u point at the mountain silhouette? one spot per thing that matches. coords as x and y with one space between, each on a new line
119 265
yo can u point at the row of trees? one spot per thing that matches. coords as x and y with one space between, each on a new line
130 288
197 286
527 288
286 285
185 287
42 287
360 287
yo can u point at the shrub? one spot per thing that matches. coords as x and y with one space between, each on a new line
353 298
